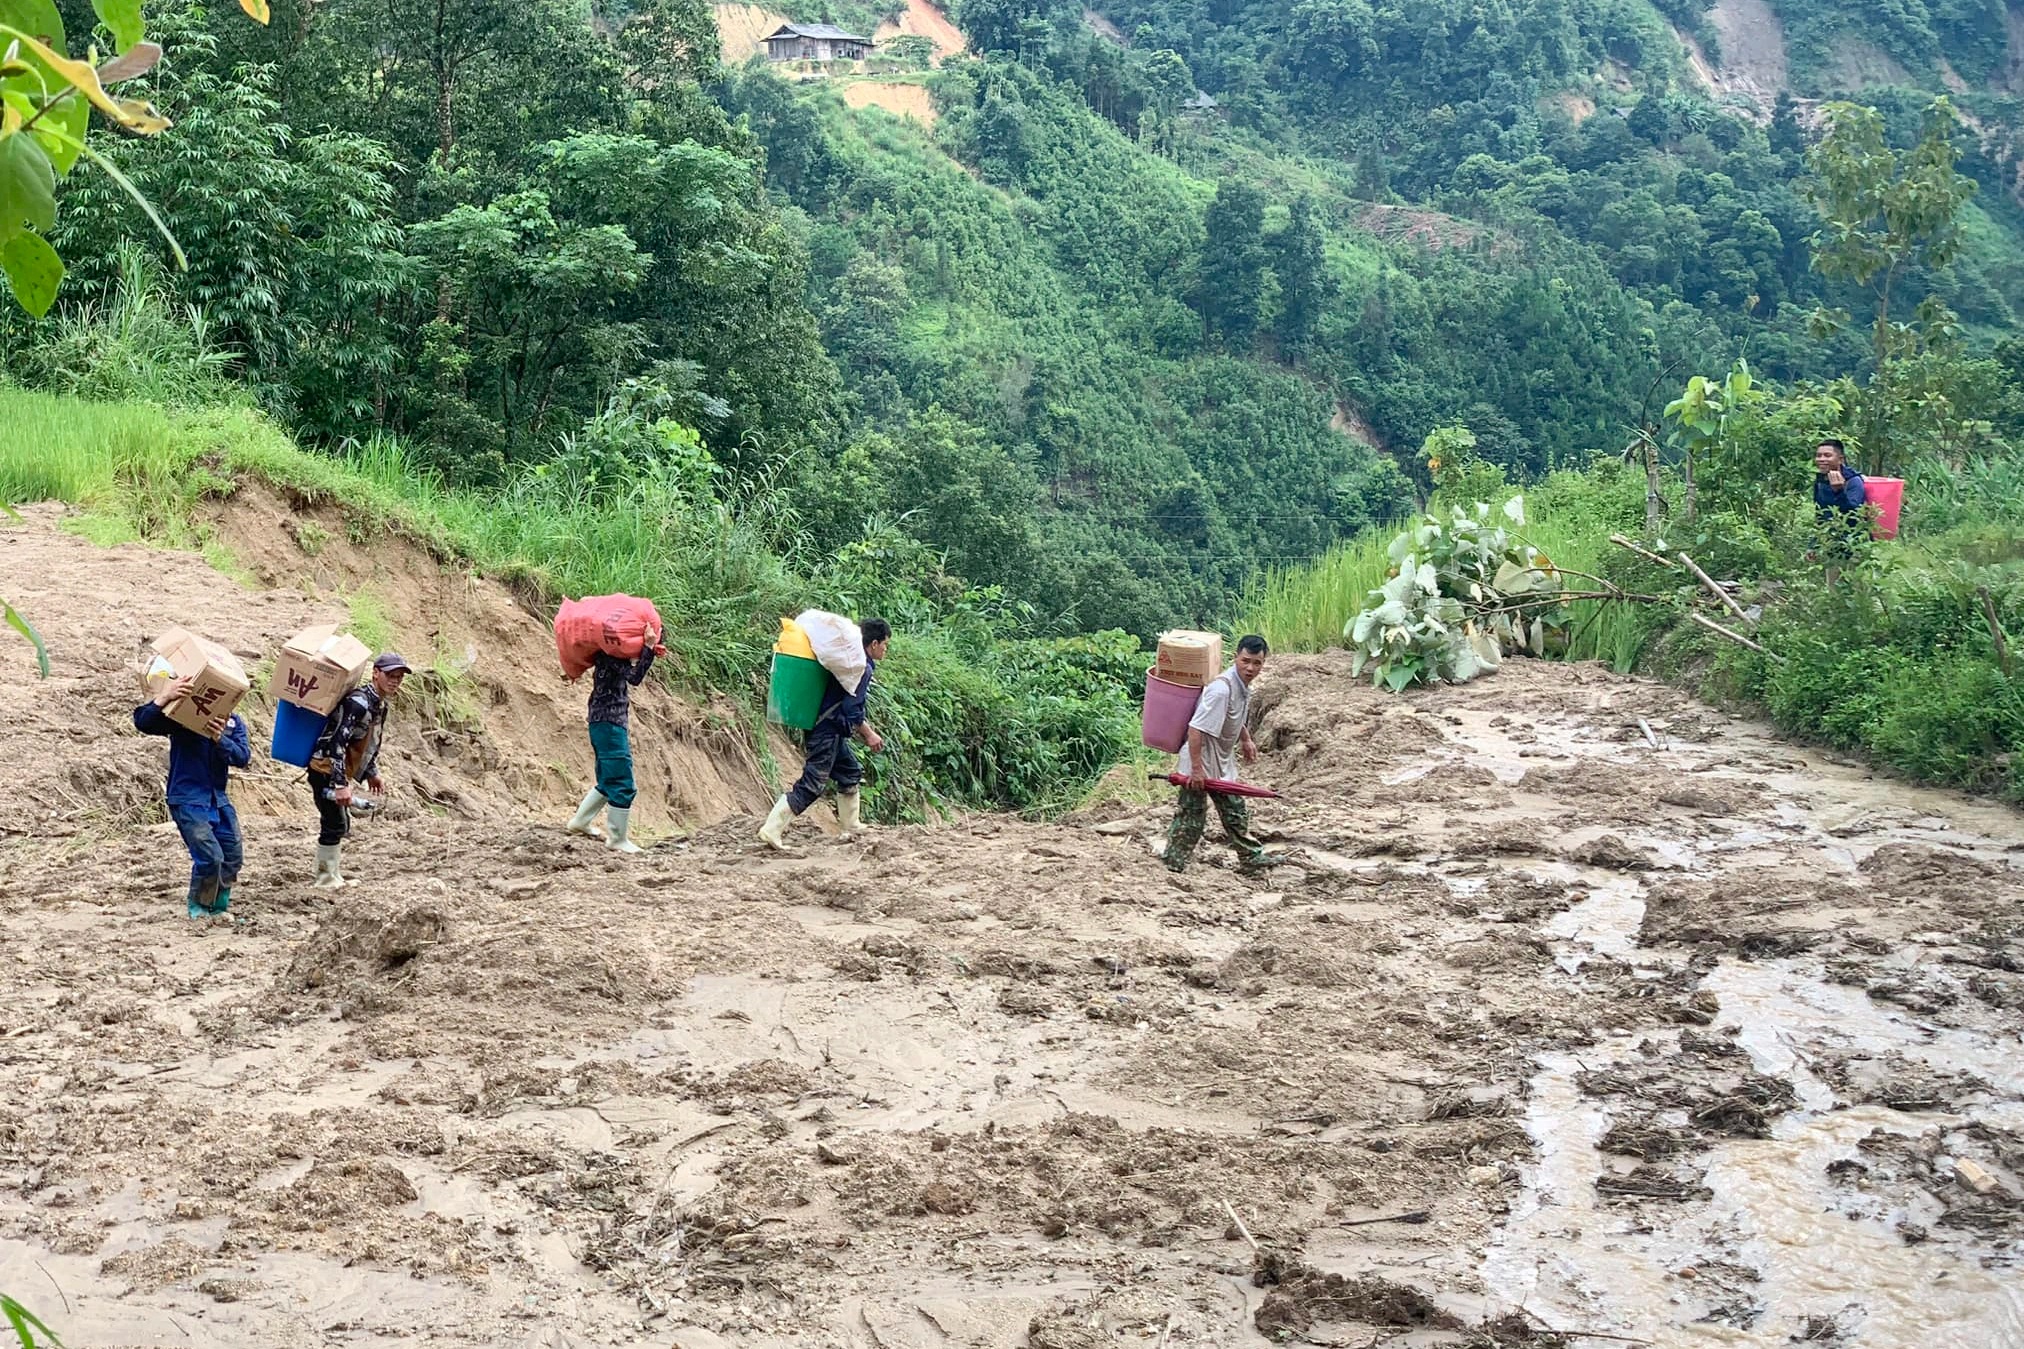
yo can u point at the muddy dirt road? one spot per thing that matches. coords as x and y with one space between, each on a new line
1699 1042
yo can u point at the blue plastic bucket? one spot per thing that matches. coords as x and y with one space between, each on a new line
295 732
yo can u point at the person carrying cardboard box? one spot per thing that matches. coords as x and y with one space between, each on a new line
1218 733
612 680
348 752
200 769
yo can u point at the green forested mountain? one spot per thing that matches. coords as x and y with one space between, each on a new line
1168 293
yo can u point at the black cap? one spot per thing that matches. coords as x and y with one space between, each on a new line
390 661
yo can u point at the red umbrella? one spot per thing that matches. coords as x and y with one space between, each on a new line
1219 786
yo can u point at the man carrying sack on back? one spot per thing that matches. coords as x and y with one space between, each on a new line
1220 731
347 752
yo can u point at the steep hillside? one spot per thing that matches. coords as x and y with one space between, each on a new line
487 730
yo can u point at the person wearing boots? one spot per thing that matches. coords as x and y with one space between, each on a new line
612 680
1218 734
200 766
829 755
347 752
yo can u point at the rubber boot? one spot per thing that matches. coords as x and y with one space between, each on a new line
775 828
585 819
203 898
621 825
327 859
224 900
848 807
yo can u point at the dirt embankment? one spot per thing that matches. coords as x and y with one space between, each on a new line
1682 1042
488 730
922 19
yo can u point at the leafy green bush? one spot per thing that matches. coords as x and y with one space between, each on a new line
1461 594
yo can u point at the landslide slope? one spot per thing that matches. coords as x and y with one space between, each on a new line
1546 1014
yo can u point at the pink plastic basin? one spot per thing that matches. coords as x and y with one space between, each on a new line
1887 495
1163 724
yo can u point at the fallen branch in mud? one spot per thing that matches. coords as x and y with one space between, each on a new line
1540 1321
1708 583
1419 1215
1734 636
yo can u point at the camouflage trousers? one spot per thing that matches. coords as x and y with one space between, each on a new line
1191 817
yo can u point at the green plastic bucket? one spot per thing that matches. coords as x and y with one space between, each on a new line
794 695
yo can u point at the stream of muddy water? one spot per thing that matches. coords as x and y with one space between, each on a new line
1777 1252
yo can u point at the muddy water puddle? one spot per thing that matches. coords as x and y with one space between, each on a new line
1767 1247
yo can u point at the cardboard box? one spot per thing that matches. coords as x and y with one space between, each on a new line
219 681
1190 659
317 667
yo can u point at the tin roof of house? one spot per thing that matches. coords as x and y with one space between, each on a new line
821 30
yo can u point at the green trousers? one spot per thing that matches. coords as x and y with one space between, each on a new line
1191 817
613 748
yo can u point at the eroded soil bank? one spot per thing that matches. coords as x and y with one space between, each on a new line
1552 1028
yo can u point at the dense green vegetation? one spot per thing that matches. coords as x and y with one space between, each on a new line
1899 647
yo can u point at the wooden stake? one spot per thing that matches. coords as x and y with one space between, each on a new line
1242 1230
1736 637
1645 553
1728 600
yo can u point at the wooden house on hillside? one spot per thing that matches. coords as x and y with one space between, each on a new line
815 42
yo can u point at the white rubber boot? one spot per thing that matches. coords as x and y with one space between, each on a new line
327 858
773 831
585 819
621 825
848 806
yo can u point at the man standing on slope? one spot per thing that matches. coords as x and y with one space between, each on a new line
200 767
829 756
1220 728
612 680
347 752
1839 495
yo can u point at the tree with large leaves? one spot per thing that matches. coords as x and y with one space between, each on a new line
46 100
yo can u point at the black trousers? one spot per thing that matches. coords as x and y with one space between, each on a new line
335 819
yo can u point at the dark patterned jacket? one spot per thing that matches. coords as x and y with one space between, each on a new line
612 680
348 749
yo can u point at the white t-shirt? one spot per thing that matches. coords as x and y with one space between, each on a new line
1220 716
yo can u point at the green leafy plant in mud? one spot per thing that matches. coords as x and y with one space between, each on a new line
19 621
1462 593
27 1326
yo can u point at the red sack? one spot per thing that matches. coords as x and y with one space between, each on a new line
619 624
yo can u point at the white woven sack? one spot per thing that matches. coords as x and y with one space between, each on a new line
839 646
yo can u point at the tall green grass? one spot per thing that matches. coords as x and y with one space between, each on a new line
1304 608
65 449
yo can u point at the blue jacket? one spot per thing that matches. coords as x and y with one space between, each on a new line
1850 498
846 709
198 765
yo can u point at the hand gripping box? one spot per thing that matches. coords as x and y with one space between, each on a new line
218 681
